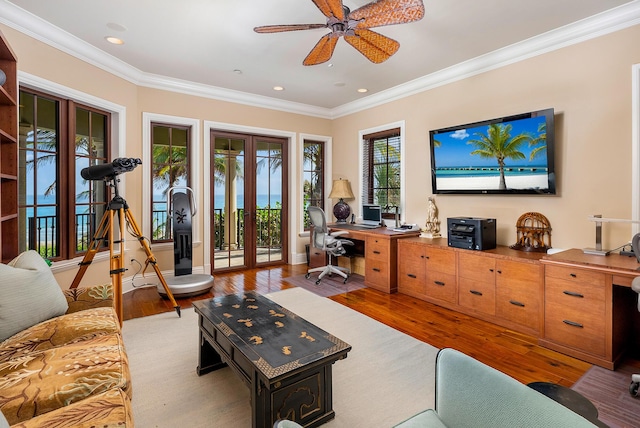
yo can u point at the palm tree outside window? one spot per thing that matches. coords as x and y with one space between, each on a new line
381 171
313 178
58 209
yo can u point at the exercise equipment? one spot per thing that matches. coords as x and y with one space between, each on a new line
181 207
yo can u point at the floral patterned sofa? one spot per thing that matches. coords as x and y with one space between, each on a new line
68 370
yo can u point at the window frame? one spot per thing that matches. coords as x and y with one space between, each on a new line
194 157
66 174
322 174
171 126
378 132
328 173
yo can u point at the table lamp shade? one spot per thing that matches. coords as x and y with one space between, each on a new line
341 189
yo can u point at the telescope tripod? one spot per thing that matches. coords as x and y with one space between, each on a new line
105 233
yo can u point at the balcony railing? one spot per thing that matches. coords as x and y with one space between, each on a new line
43 230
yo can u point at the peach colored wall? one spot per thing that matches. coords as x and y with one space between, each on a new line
588 85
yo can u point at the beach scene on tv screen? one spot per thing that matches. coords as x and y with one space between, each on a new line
499 156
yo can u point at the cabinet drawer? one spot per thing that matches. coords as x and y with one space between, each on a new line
377 275
479 296
478 268
411 284
582 276
521 306
441 286
586 297
377 249
575 328
441 260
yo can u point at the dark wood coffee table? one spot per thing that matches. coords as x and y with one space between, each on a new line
285 360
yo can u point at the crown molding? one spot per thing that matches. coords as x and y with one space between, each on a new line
595 26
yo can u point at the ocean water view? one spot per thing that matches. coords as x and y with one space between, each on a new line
487 171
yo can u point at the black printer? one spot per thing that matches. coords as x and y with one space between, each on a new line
471 233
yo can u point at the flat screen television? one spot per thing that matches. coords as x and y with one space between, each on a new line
507 155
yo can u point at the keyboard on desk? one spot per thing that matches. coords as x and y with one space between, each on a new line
356 226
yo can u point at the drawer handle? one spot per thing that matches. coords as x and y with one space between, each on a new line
476 292
499 271
376 270
376 252
490 270
516 303
440 283
573 294
410 275
573 323
426 257
573 275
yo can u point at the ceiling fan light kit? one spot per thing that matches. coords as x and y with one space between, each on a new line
355 28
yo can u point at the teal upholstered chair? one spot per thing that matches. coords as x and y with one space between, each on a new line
472 394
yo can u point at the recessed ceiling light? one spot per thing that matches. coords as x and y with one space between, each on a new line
363 90
237 71
330 64
339 84
116 27
278 88
114 40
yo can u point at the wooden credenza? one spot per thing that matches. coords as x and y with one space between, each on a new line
574 303
502 286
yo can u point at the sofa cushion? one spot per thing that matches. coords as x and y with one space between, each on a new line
40 382
62 330
29 294
111 409
426 419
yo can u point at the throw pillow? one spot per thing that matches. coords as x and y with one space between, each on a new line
29 294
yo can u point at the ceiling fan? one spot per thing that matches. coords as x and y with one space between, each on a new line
355 27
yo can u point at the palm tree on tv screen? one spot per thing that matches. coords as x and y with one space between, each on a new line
497 143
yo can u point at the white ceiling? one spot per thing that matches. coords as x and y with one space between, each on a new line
197 44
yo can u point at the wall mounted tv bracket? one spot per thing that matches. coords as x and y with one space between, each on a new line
598 219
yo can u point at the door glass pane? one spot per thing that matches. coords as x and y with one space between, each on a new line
268 202
228 202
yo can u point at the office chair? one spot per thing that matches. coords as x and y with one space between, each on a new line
325 241
635 378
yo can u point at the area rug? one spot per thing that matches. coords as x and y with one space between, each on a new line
387 377
329 286
608 390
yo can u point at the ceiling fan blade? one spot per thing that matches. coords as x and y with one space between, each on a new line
376 47
293 27
322 51
330 8
388 12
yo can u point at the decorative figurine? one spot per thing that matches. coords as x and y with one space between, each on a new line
534 233
432 226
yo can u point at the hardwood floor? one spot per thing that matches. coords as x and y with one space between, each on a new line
513 353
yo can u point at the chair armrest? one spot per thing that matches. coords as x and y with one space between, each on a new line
339 232
96 296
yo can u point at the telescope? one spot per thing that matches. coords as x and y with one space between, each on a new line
108 171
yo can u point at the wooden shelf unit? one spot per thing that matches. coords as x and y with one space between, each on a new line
8 153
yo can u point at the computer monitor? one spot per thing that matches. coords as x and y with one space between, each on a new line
371 214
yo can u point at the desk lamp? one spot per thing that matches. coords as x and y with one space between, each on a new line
341 190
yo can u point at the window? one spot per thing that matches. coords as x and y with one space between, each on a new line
58 209
313 175
170 158
382 170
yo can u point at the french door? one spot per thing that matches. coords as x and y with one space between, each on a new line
249 201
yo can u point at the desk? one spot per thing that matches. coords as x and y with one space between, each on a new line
380 254
589 305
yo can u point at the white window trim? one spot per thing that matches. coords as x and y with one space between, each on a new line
118 136
635 148
328 152
293 200
403 163
147 162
